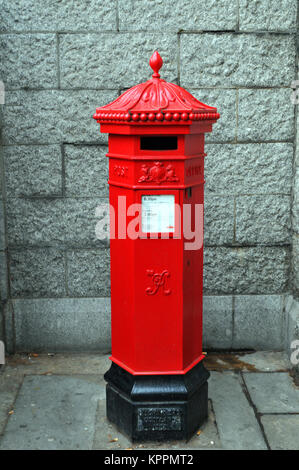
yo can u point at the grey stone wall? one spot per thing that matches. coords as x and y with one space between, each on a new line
295 201
3 255
292 305
63 58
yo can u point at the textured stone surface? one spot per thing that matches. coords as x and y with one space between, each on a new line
2 226
167 15
254 270
98 434
217 322
53 222
72 418
60 363
281 431
292 336
296 159
259 322
56 172
95 363
218 220
265 115
275 391
1 330
8 317
295 207
33 170
295 262
88 273
37 273
10 383
249 168
263 220
1 159
86 171
296 99
62 324
232 423
53 116
3 275
29 60
266 361
58 15
245 59
225 102
230 412
238 428
270 15
87 60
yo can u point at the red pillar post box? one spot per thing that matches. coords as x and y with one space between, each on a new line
157 384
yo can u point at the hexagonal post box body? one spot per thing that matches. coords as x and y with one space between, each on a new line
157 384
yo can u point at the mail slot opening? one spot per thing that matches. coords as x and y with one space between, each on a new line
159 143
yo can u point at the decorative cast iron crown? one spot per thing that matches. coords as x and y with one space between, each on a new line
154 102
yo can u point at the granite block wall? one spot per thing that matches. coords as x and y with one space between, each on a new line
61 59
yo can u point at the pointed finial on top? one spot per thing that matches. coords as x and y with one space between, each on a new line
156 63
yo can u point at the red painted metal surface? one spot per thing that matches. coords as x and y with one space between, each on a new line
156 284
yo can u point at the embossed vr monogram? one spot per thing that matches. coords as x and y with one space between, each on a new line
159 280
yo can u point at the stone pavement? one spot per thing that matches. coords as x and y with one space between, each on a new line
58 402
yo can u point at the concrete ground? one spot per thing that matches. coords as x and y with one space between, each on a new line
58 402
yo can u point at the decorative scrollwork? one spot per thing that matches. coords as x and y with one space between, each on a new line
157 173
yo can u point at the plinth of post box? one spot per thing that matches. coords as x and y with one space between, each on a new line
157 384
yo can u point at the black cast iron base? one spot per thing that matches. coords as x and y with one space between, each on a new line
157 407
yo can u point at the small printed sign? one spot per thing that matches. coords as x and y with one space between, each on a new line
158 213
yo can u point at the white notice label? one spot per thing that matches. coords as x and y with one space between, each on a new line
158 213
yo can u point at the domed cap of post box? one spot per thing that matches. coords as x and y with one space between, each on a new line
155 102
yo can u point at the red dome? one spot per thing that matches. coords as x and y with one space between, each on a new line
155 101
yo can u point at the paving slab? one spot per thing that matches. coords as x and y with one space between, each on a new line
267 361
107 437
58 402
56 412
282 431
253 361
99 363
236 421
59 364
48 414
273 392
10 382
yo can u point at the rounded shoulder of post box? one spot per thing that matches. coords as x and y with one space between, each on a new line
155 101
